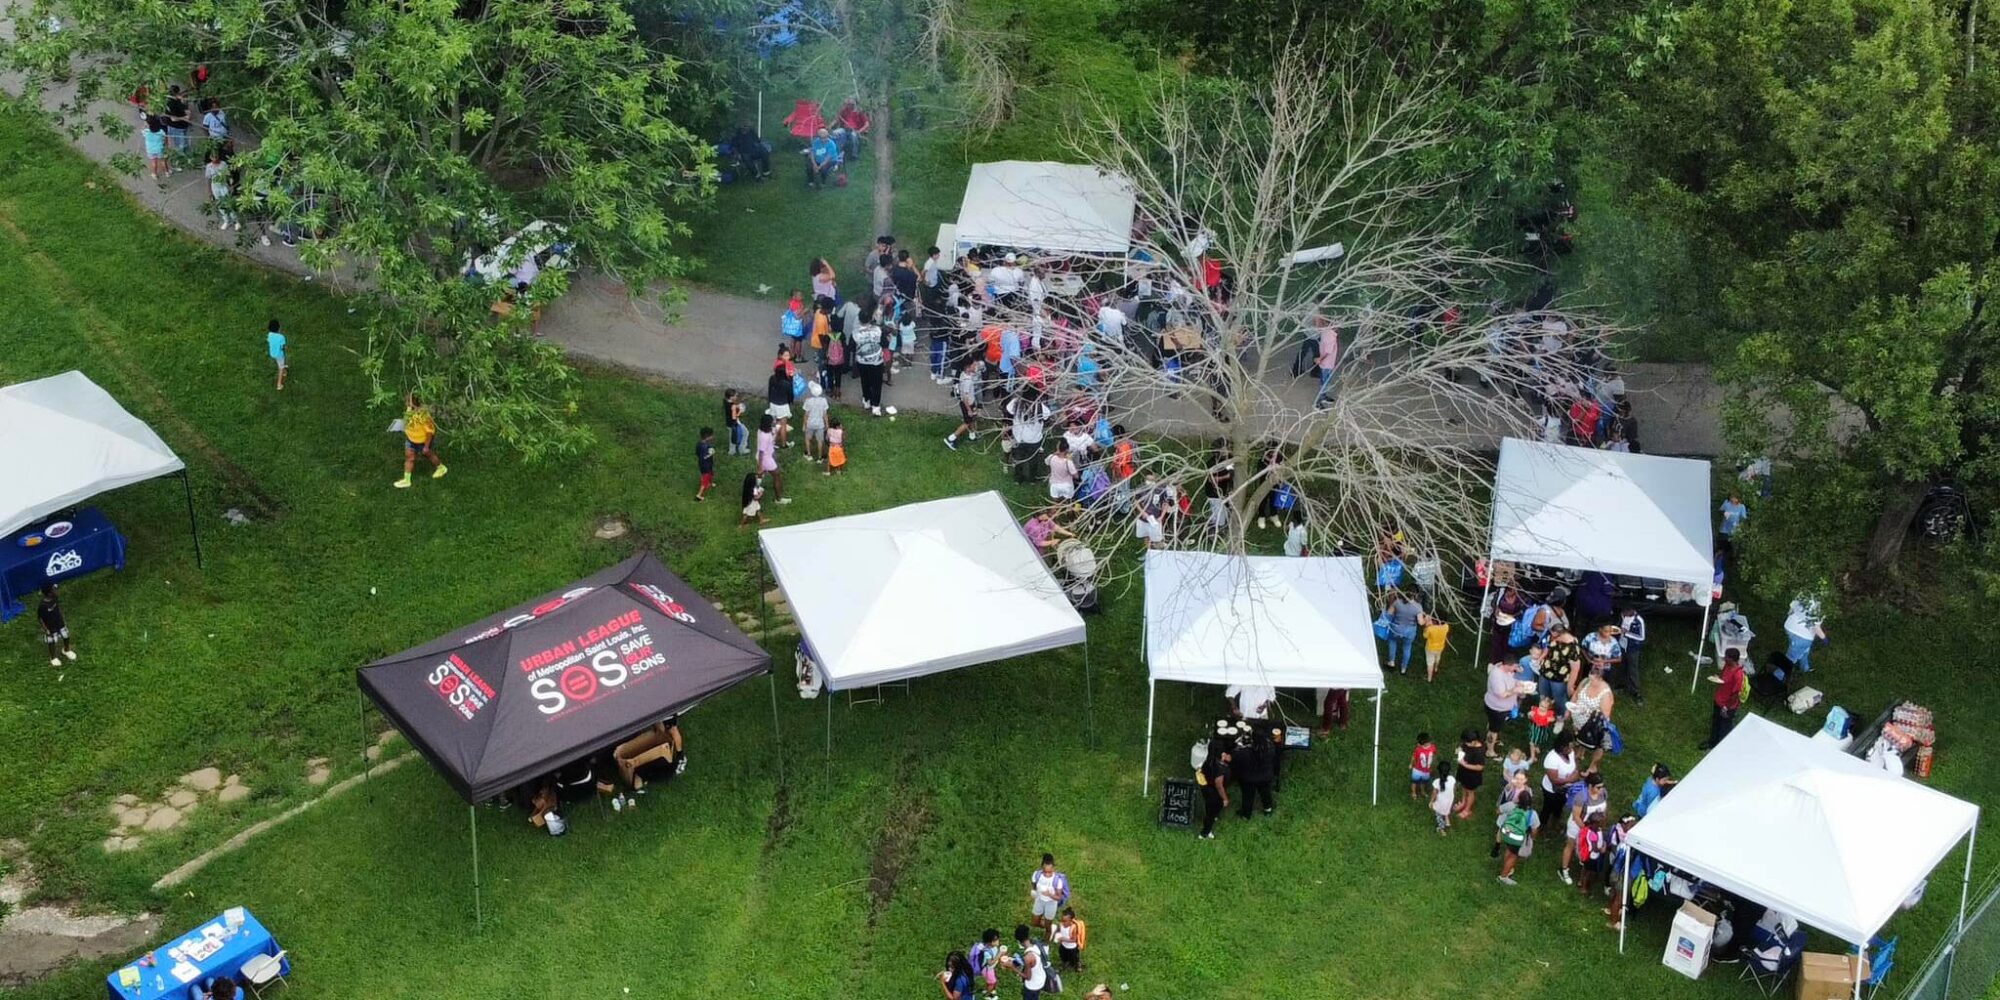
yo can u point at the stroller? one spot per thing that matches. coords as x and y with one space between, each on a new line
1076 569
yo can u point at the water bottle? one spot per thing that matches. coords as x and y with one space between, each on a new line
159 985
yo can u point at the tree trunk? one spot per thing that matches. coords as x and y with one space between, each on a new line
1885 545
885 167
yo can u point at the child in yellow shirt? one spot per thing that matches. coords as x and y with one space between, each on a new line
1435 634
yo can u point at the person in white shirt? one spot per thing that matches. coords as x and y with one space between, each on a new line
1003 280
1252 701
1804 625
1295 536
1038 290
1111 323
1632 625
1063 472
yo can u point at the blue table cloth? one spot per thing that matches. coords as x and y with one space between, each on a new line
247 942
88 543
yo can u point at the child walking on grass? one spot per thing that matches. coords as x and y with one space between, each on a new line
704 461
836 447
1436 634
753 499
1443 800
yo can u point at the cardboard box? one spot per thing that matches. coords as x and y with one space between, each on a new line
1688 941
1827 977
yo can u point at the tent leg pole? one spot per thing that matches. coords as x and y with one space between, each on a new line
1375 783
1479 618
1700 643
777 735
361 717
1623 888
828 695
1146 775
1965 885
1089 702
194 529
478 914
1860 968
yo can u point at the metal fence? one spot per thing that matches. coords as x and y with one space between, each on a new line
1966 964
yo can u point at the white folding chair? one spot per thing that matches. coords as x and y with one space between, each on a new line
263 970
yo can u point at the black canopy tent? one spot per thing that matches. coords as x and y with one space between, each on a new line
556 679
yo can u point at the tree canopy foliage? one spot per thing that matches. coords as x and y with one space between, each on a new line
407 138
1834 164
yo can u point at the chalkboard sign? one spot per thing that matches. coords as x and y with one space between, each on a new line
1177 803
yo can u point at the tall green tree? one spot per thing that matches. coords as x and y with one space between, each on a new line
1835 162
408 137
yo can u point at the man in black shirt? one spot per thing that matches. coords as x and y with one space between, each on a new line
177 119
750 152
1255 769
55 631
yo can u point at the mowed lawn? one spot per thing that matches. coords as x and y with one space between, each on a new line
849 877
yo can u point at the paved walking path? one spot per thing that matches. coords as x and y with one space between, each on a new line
718 339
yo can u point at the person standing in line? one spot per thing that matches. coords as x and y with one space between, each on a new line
55 630
1559 771
1728 698
1443 801
1404 614
1063 473
778 406
865 338
1734 513
1256 769
274 342
219 192
968 404
178 122
1048 893
1562 669
767 457
1030 417
1632 626
1515 830
1471 771
419 436
1584 801
704 462
815 408
155 138
732 418
1502 700
1214 781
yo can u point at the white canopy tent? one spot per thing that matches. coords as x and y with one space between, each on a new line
1804 828
67 440
918 589
1604 511
1058 207
1281 622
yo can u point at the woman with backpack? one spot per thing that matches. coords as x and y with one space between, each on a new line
1514 835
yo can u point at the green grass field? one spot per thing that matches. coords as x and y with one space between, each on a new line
853 875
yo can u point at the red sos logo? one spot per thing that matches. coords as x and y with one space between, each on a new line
667 605
545 608
579 683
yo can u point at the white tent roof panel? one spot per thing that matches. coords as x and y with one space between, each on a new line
1585 509
1062 207
1283 622
66 440
1807 829
918 589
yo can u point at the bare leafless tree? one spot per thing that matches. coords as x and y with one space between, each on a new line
1433 368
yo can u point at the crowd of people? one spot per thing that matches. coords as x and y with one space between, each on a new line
1043 949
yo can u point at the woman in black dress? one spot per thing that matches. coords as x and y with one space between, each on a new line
1471 770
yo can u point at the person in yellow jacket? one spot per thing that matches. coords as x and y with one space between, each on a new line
419 438
1436 634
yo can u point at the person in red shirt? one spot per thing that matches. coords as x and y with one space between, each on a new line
1583 416
849 126
1728 697
1423 763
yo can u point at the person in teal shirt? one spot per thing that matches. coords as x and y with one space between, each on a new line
822 159
274 340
